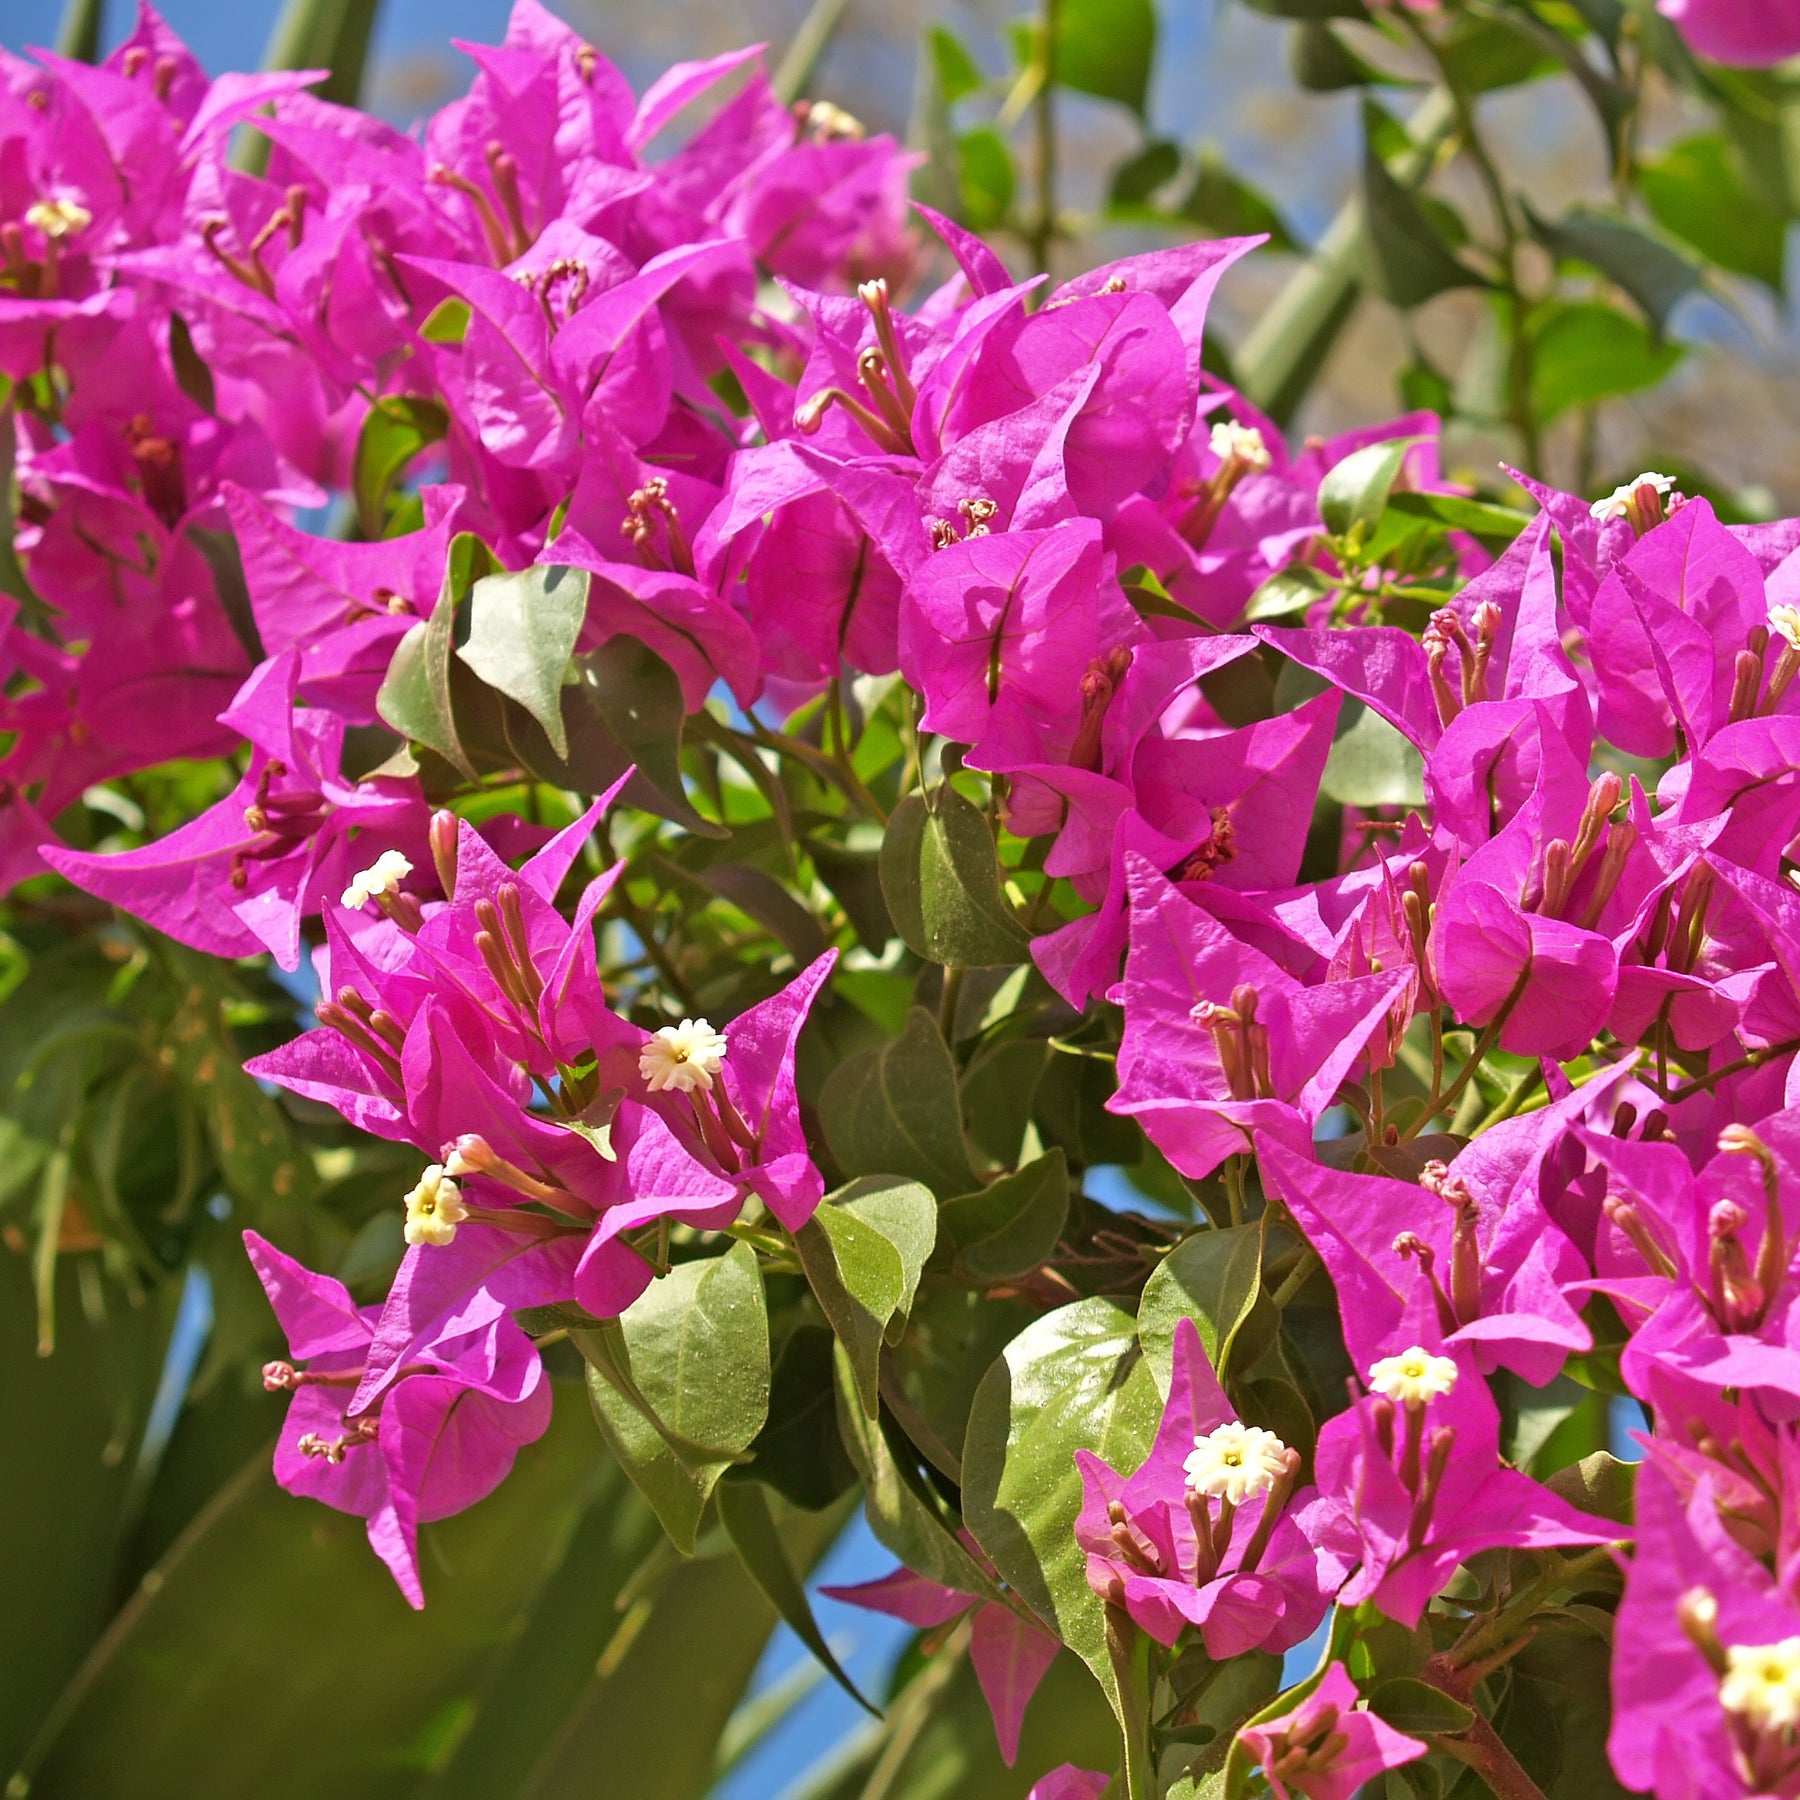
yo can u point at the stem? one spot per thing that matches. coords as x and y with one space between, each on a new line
1519 362
912 1711
1284 351
1483 1045
1480 1747
1521 1091
1234 1187
953 981
1296 1278
1043 232
1755 1060
794 73
1129 1651
841 757
1503 1625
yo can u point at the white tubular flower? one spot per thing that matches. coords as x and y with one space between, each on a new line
1784 623
682 1058
1233 1462
381 879
1413 1377
1761 1684
1617 504
59 218
1242 443
434 1209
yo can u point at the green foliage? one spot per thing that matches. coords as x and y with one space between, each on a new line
1074 1379
894 1110
680 1383
864 1251
941 882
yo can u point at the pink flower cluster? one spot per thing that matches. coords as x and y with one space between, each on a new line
1032 502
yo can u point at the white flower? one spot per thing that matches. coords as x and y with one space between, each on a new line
1231 440
1413 1377
434 1209
59 218
682 1058
1784 622
382 878
1234 1461
1617 504
1761 1684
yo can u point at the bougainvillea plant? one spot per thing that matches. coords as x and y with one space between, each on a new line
877 894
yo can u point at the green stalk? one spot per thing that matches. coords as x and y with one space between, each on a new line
1281 357
793 74
78 37
315 34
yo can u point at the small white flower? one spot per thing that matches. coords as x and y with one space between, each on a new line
382 877
1784 623
1617 504
434 1209
1413 1377
1231 440
1234 1461
59 218
682 1058
1761 1684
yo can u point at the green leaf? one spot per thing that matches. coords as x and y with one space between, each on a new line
903 1513
522 632
1408 259
1485 55
1074 1380
1211 1277
81 1411
941 879
1009 1227
1697 189
650 1721
798 1452
1416 1707
1657 276
958 76
744 1512
547 1659
447 323
1598 1484
1587 352
623 710
680 1382
1309 9
1105 48
985 171
394 430
1287 592
1225 205
894 1111
1371 764
263 1586
1323 63
1493 525
1137 179
931 1373
863 1252
1355 491
415 694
